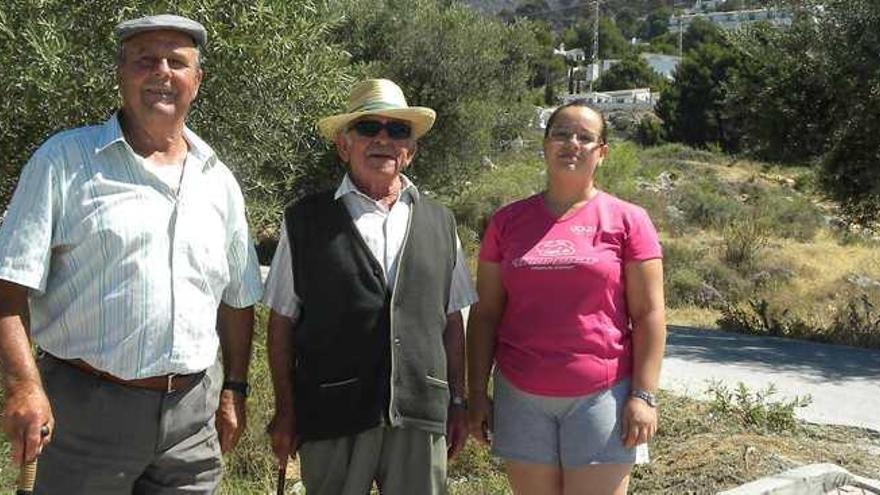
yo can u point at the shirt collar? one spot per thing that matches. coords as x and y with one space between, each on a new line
111 133
347 186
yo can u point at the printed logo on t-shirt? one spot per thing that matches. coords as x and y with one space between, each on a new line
582 229
560 247
554 254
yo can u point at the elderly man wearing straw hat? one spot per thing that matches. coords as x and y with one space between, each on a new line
365 333
121 242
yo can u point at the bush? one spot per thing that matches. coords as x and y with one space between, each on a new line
744 239
788 216
756 409
516 178
649 131
857 323
708 203
270 73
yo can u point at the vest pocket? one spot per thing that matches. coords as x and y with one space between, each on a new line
337 400
436 381
340 383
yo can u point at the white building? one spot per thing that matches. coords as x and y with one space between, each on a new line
663 65
575 55
732 20
624 99
705 6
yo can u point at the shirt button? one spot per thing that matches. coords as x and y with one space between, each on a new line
397 341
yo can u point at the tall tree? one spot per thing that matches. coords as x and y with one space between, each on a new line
630 73
692 107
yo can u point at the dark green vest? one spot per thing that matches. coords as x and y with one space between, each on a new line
365 351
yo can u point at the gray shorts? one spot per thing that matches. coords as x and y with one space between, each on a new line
562 431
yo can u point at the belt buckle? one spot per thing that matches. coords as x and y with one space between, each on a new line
170 387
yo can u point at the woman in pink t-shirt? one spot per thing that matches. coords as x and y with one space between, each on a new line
571 311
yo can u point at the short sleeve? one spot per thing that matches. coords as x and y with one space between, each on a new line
26 234
461 290
280 293
490 248
245 287
642 241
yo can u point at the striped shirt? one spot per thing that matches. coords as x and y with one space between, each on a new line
383 230
125 272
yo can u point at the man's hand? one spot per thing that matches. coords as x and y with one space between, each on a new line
27 408
27 412
282 433
456 430
231 420
480 417
639 422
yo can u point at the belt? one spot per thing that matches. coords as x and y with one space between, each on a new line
163 383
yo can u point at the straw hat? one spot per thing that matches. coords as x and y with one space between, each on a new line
378 97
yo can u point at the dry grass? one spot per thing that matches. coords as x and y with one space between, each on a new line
693 316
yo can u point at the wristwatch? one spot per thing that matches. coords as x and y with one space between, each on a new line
646 396
241 387
458 401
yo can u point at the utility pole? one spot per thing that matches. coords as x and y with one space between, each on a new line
595 62
680 36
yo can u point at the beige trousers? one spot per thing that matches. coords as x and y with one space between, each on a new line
402 461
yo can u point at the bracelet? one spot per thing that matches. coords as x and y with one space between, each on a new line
241 387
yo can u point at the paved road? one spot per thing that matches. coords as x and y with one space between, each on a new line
844 382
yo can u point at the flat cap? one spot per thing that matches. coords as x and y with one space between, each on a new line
127 29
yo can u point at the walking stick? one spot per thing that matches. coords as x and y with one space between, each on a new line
282 478
27 475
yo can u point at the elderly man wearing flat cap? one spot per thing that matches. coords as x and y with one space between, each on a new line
366 344
125 256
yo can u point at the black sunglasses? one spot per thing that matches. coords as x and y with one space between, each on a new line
372 128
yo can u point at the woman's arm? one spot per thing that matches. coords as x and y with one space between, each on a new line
644 297
482 324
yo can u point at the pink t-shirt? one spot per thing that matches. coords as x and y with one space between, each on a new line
565 329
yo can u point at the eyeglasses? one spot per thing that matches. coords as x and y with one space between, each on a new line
372 128
565 135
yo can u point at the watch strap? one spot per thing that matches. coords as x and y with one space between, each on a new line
646 396
241 387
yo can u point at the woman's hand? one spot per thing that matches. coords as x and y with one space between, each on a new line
639 422
480 417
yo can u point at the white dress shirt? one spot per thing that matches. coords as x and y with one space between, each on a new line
127 272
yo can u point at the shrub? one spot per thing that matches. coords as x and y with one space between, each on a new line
756 409
649 131
708 203
788 216
518 176
619 171
744 239
857 323
759 316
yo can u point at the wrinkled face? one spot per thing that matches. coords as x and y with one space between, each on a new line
574 143
378 157
159 75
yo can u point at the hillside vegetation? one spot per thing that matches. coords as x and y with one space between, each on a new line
748 246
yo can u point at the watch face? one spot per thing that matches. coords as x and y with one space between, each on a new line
648 397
